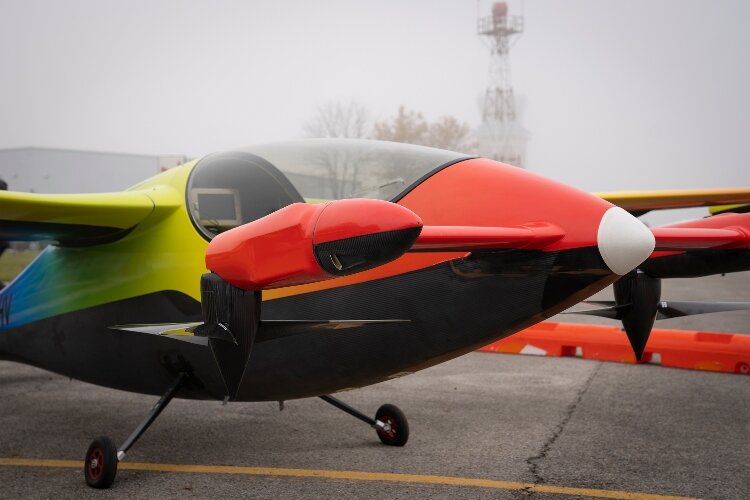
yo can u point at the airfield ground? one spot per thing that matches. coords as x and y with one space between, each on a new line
482 426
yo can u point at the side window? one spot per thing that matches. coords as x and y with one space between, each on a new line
227 190
216 209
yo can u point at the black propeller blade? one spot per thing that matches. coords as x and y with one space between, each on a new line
638 303
675 309
642 292
609 311
666 309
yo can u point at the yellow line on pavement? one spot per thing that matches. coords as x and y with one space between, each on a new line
349 475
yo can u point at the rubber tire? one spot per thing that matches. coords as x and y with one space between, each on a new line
393 415
103 476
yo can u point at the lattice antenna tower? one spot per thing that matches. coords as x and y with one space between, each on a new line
498 31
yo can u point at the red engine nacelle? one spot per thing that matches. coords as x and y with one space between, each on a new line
304 243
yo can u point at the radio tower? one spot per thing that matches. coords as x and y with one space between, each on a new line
500 136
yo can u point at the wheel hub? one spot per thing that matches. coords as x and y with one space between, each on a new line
389 427
95 464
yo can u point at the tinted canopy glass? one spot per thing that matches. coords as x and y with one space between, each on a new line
229 189
352 168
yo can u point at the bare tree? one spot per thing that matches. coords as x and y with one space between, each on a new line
407 126
449 133
340 119
345 172
411 127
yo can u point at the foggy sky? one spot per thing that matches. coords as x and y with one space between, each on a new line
616 95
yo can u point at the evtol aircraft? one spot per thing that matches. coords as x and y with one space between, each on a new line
306 268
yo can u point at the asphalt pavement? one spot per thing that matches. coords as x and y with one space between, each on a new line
482 426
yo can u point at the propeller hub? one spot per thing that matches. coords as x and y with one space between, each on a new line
624 241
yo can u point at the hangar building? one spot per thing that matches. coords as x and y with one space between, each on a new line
46 170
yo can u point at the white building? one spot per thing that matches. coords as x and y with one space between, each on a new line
44 170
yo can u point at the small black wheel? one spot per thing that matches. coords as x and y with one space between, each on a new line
101 463
396 432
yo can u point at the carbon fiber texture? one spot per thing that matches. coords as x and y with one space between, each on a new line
364 252
698 263
453 308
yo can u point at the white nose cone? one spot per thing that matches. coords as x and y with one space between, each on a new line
624 241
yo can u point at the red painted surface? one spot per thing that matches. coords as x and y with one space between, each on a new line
343 219
724 352
673 238
281 241
725 230
442 238
277 250
503 196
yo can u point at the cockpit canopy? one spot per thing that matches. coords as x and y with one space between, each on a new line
226 190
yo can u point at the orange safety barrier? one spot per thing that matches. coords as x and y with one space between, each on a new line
721 352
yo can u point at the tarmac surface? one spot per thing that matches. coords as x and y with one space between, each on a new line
482 426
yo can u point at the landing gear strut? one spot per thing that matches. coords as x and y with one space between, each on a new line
390 422
102 456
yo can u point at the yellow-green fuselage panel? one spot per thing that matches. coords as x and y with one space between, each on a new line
120 210
163 252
